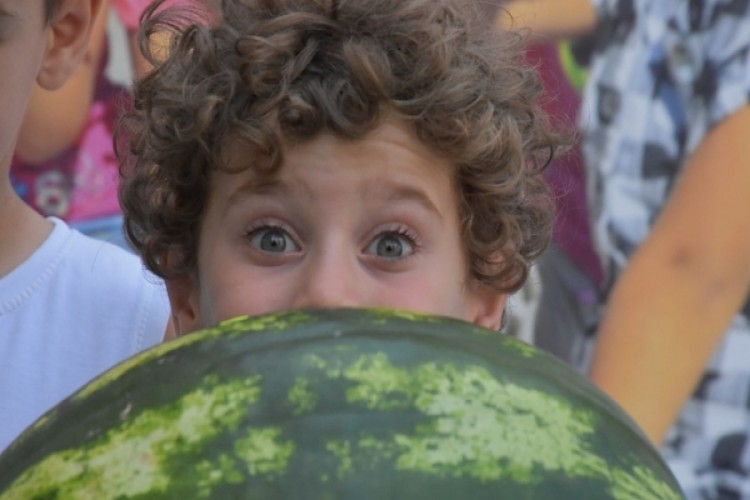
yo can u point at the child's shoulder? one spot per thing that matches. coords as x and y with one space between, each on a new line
101 260
90 268
78 283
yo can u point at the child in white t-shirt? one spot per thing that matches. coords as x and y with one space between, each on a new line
70 307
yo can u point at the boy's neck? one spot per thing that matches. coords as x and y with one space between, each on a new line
22 230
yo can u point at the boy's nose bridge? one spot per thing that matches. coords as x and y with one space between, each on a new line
331 280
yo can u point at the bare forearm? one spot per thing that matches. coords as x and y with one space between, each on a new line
548 18
140 65
683 286
661 327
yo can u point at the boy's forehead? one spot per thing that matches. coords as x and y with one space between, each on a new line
239 154
402 159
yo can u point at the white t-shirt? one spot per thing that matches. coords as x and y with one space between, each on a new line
73 309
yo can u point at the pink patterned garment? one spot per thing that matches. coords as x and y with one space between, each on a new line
81 182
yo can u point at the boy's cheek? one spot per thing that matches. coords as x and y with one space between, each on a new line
226 302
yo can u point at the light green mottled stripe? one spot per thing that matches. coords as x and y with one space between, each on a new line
301 397
264 451
640 483
129 460
482 427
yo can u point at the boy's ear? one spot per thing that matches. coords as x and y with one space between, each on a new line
68 38
183 299
184 304
488 306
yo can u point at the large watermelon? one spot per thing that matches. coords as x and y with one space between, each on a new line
346 404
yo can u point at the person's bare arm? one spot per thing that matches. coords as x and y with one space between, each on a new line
139 63
683 286
553 19
54 119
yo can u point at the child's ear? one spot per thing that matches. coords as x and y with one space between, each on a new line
488 306
183 298
68 38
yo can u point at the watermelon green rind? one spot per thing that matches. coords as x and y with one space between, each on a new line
152 436
274 409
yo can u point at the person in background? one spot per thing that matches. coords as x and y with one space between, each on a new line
70 306
64 165
664 128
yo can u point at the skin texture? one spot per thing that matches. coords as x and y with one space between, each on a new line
32 53
55 118
366 223
687 280
548 19
21 29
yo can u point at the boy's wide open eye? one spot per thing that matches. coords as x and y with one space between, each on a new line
391 245
272 239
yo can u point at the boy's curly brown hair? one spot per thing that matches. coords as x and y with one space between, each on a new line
264 68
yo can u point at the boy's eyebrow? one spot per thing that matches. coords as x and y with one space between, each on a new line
255 187
387 190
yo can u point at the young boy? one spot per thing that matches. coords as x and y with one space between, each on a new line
70 307
321 154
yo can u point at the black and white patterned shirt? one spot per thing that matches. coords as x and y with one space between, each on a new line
664 72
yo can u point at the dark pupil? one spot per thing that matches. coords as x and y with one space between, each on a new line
390 246
273 241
